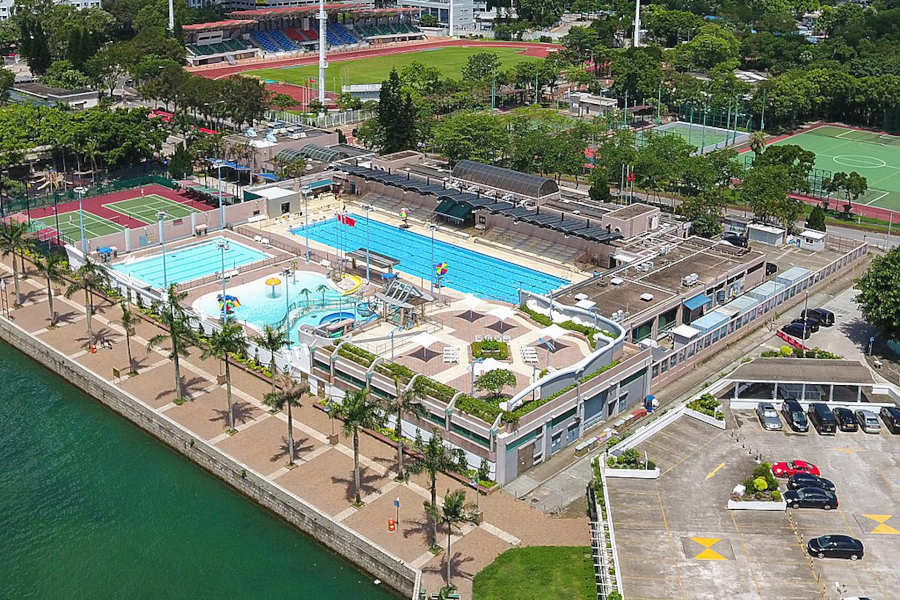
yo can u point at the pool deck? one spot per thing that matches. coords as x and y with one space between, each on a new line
322 475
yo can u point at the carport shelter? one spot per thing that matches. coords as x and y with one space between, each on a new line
801 379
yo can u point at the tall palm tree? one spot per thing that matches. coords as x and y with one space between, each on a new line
289 395
88 277
454 512
272 339
435 457
222 343
179 334
306 292
758 142
13 242
128 322
322 288
408 402
52 267
358 410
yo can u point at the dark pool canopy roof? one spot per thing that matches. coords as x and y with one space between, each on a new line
312 152
524 184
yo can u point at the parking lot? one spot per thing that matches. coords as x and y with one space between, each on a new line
677 539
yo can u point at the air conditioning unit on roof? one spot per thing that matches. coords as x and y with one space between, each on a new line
617 281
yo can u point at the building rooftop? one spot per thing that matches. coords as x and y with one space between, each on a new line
631 211
525 184
804 370
45 90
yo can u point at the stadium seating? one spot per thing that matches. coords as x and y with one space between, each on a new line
311 34
261 39
282 40
340 34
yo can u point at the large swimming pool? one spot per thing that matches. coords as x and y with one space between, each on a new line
189 262
467 271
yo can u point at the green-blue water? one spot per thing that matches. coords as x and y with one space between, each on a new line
91 507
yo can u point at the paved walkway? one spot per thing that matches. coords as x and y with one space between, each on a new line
323 473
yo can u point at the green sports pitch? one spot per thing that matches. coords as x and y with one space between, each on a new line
875 156
146 208
70 225
375 69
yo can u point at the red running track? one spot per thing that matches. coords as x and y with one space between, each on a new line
97 205
530 48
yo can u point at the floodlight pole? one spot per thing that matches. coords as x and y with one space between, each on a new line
367 207
79 191
161 217
323 64
637 24
221 206
223 247
306 224
287 304
431 278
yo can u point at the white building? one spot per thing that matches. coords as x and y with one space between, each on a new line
7 7
463 12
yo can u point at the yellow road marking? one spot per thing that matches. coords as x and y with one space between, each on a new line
662 510
707 553
882 528
714 471
849 450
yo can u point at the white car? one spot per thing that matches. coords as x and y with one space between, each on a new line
868 422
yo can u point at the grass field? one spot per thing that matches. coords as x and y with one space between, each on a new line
449 61
70 225
538 573
146 208
874 156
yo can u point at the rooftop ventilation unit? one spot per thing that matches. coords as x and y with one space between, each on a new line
646 297
689 280
617 281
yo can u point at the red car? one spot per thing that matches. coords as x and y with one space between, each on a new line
788 469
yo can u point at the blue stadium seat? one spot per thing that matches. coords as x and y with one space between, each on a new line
282 40
261 39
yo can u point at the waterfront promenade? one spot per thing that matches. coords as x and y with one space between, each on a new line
323 474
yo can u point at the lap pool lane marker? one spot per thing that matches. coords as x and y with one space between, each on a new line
882 527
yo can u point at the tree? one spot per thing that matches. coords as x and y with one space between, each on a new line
540 12
765 189
405 401
471 135
357 410
228 340
128 322
180 163
434 458
853 186
52 267
7 80
88 277
282 101
481 67
879 293
797 162
33 45
272 339
637 72
599 190
111 63
394 123
62 74
816 219
427 20
180 335
13 241
494 381
711 46
453 513
289 395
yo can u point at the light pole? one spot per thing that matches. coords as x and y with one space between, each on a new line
80 191
431 277
223 247
306 224
287 303
161 217
219 187
367 208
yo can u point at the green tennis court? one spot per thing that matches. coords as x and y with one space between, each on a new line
875 156
146 208
70 225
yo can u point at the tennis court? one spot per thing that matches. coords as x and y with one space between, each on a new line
146 208
874 155
70 225
705 138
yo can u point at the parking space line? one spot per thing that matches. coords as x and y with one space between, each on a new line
662 511
750 566
846 522
708 442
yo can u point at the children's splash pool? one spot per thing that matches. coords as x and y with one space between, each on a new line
311 297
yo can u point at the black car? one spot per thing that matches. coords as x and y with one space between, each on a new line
891 417
808 480
794 415
797 330
824 317
835 546
771 269
735 239
811 497
811 324
846 419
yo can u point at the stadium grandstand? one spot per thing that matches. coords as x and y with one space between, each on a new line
294 29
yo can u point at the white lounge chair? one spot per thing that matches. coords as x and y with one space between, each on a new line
451 354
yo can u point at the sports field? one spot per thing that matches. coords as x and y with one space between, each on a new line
70 225
873 155
146 208
701 137
449 61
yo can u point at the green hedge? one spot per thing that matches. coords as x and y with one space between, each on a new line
708 405
483 409
588 332
356 354
490 348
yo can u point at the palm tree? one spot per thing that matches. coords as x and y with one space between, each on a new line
222 343
290 394
272 339
758 142
405 401
52 268
128 322
306 292
322 288
453 513
180 334
89 277
12 241
357 410
435 457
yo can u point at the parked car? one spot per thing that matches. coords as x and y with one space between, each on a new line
735 239
771 269
824 317
867 420
806 480
768 416
835 546
797 330
846 419
891 417
793 414
811 324
811 497
822 418
789 469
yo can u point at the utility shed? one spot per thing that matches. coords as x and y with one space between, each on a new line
710 321
744 304
812 240
765 234
792 276
765 291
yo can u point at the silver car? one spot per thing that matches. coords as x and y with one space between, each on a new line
768 416
868 422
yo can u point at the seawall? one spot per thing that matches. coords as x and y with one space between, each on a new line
358 550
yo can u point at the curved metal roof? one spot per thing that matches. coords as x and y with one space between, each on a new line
532 186
313 152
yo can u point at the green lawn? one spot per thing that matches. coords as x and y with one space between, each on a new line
538 573
449 61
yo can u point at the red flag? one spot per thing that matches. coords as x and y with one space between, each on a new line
348 220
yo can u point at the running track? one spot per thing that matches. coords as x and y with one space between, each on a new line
530 49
